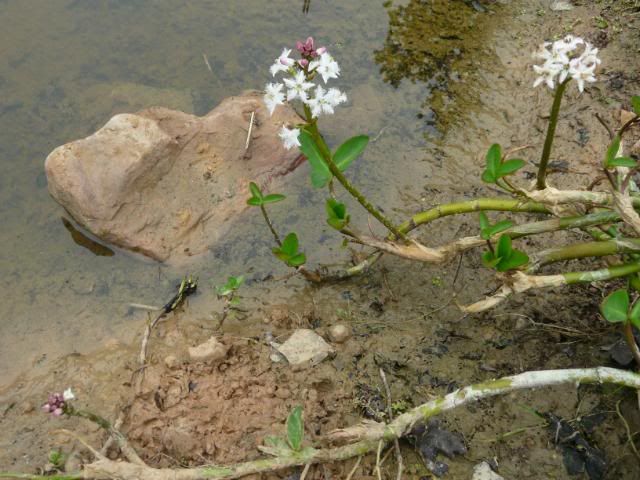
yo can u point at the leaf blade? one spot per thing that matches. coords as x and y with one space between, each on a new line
349 151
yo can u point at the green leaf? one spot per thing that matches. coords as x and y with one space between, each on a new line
612 151
499 227
622 162
320 174
504 247
297 260
489 260
635 103
337 214
349 151
255 202
272 198
484 221
515 260
255 190
494 158
510 166
295 429
276 446
634 316
290 244
615 306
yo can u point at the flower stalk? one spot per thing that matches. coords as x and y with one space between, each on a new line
551 132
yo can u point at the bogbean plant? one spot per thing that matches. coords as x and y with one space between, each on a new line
608 216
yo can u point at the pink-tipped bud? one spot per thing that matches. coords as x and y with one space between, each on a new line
57 412
304 63
309 43
321 50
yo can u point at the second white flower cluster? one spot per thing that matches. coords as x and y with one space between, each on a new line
561 61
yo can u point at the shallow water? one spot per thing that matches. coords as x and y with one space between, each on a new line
66 66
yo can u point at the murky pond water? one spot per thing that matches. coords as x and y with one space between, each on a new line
66 66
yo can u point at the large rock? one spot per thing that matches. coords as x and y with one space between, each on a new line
166 183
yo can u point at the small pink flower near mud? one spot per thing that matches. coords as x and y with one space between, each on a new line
57 402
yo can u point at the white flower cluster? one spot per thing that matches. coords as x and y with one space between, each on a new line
561 61
300 85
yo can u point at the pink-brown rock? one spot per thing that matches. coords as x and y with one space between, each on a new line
168 184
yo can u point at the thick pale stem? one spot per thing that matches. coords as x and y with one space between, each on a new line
551 132
587 249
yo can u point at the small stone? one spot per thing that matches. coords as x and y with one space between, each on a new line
305 347
210 351
28 407
521 323
339 333
171 362
482 471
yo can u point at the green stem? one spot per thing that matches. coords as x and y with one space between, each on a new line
587 249
480 204
603 274
551 132
335 171
270 225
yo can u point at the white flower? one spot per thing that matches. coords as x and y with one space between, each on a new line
325 66
298 87
548 72
561 60
289 137
325 102
282 63
68 395
582 72
273 96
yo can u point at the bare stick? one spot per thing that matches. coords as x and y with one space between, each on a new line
396 444
380 444
246 144
303 475
206 62
355 467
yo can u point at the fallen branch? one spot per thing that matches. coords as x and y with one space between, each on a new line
365 437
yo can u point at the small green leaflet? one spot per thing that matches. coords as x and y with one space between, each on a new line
336 214
622 162
506 257
288 251
320 173
496 168
295 429
258 199
612 151
634 315
635 104
615 306
349 151
487 230
233 283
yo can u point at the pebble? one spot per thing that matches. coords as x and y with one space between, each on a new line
210 351
171 362
339 333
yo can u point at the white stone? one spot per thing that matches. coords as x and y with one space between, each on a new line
482 471
210 351
305 347
339 333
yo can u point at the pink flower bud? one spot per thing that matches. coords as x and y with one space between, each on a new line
304 63
321 50
57 412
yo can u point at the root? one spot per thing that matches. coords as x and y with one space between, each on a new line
364 438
